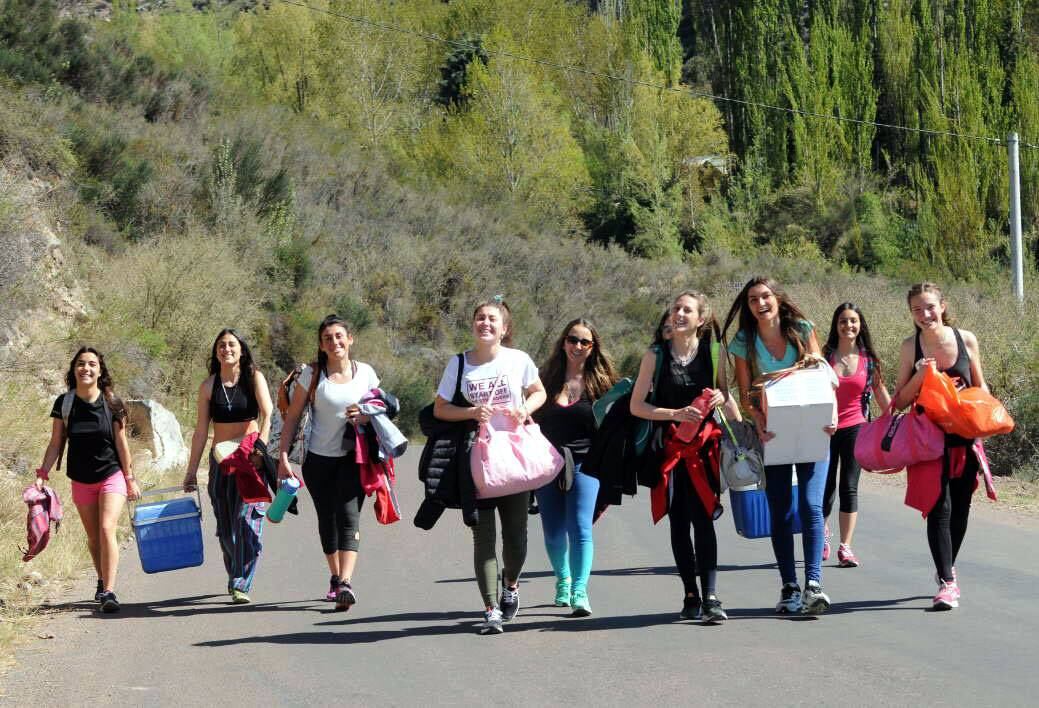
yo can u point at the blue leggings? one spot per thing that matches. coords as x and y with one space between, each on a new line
811 483
566 518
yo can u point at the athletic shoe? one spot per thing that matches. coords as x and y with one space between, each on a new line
239 597
814 601
99 593
789 599
582 608
563 592
333 589
108 602
948 596
492 620
509 603
711 610
690 608
345 598
845 557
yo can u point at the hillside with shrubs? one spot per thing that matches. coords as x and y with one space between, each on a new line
171 169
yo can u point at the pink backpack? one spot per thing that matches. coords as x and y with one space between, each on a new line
44 508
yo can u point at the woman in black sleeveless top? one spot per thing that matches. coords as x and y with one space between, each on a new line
686 370
954 352
236 400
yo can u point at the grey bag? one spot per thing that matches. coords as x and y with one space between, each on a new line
742 455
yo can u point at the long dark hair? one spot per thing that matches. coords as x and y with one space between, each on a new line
246 367
863 341
104 382
599 374
789 316
506 316
658 334
330 321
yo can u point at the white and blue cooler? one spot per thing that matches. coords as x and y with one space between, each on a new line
750 511
169 532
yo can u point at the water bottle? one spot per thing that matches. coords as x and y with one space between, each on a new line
286 493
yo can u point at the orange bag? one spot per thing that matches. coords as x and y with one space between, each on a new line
970 413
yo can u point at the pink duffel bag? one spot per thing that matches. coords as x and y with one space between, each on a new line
894 441
506 462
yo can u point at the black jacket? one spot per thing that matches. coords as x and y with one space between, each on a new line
612 458
443 467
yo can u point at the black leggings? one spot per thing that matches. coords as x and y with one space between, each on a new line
947 522
842 452
687 509
335 487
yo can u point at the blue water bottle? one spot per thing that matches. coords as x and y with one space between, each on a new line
286 493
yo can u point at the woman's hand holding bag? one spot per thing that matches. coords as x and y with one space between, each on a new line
507 462
894 441
970 413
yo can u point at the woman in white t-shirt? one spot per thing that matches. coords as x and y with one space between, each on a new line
502 386
330 470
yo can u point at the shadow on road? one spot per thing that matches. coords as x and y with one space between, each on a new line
187 607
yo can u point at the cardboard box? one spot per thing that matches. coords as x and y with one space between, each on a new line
798 407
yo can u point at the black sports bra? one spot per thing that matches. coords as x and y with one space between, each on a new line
231 404
960 368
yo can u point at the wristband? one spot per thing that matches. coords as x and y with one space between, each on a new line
42 473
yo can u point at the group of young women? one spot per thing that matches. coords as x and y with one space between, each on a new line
502 386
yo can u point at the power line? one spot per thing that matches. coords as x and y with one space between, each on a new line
387 27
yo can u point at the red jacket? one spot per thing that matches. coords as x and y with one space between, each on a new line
252 488
704 445
924 479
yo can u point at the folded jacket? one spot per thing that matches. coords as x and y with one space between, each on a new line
924 479
392 442
700 456
252 488
44 510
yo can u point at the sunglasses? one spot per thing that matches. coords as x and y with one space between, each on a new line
578 341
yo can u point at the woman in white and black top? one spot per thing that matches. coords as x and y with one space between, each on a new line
330 469
99 462
503 386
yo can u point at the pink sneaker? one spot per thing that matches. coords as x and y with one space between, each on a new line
948 596
845 557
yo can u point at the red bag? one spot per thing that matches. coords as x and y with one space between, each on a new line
891 442
970 413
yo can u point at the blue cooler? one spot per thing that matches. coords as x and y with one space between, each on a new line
168 533
750 511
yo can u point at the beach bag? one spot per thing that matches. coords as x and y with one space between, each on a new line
894 441
507 462
970 413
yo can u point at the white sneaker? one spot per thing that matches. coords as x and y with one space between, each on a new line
491 622
789 599
814 601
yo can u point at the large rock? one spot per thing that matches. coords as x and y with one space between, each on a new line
159 430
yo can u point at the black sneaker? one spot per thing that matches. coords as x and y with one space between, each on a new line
108 602
333 588
509 603
789 599
100 590
690 608
345 598
711 610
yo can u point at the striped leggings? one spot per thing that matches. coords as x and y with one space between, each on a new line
239 527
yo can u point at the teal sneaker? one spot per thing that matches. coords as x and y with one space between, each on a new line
563 592
579 601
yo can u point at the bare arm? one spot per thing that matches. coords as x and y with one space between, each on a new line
200 435
974 352
263 401
881 393
50 455
641 409
122 448
907 385
289 425
813 345
536 398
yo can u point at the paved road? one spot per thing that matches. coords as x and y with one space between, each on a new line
412 639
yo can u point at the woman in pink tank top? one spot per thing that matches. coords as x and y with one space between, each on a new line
849 350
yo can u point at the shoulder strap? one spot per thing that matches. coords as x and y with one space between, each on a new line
715 356
659 351
919 349
66 412
458 379
315 374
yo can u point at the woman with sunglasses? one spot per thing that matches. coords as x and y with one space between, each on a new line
686 370
576 374
499 385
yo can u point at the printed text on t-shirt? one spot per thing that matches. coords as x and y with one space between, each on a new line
479 391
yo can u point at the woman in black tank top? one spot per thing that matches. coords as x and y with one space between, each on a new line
954 352
686 370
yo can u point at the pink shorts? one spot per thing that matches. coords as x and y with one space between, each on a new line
84 494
